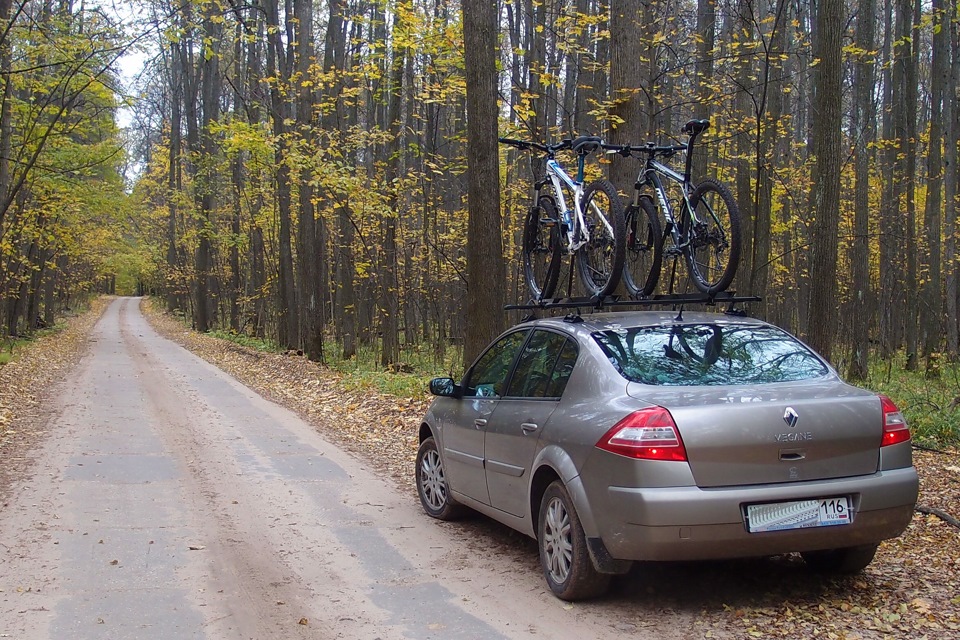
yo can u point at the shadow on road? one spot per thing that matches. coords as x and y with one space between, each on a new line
683 586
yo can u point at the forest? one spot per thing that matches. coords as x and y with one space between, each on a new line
298 171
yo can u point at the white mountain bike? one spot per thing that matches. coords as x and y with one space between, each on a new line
591 227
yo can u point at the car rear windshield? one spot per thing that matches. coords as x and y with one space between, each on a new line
708 354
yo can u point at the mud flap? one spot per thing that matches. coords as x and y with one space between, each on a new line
603 561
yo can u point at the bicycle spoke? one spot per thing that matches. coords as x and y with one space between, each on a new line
641 269
541 249
601 259
714 242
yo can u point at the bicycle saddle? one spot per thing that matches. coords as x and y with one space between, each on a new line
694 127
586 144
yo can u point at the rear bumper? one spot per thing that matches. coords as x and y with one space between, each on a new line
689 523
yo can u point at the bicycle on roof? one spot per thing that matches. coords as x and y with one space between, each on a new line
703 224
591 227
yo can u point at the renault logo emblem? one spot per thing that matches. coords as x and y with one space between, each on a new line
790 417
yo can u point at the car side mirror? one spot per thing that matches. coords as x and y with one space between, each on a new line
445 387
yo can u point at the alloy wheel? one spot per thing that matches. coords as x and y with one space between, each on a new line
432 481
557 541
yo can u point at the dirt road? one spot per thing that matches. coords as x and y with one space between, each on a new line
169 501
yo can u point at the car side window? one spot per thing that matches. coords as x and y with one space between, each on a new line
544 366
488 377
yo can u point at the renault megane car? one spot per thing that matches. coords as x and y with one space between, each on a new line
618 437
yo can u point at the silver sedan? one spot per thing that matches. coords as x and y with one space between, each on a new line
618 437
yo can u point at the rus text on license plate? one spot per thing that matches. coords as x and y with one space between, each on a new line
799 514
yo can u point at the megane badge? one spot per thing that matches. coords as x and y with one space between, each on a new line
790 417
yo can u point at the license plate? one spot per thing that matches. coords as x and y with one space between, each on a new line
799 514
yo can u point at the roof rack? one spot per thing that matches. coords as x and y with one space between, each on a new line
724 297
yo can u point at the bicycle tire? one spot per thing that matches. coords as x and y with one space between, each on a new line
541 248
644 248
600 261
713 248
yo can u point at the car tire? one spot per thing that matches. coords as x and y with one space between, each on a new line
840 561
432 484
564 557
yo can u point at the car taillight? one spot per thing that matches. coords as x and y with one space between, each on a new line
894 425
649 434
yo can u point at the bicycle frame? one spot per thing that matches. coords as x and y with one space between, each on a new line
570 224
650 174
576 231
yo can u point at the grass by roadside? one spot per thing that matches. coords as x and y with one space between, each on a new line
931 405
418 364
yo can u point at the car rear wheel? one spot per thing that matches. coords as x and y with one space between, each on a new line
563 549
843 561
432 484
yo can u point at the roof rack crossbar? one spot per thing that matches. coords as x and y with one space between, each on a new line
619 301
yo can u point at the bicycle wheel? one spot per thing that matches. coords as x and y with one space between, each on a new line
641 266
713 249
541 248
600 261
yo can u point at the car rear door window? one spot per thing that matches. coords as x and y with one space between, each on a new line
708 354
544 366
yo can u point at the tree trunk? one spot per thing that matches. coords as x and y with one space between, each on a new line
486 271
389 286
931 315
309 249
744 115
909 176
863 128
277 68
6 127
704 81
951 191
626 76
890 256
825 201
173 176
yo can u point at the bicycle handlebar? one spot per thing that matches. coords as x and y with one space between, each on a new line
582 145
692 128
627 150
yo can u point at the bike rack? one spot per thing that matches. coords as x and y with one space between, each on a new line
723 298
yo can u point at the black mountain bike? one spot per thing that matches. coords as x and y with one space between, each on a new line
591 228
704 223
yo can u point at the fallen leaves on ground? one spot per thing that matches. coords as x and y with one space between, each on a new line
24 382
911 590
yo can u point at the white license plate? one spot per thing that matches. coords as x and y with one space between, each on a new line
799 514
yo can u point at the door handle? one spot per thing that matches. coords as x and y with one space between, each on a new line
480 423
791 456
528 427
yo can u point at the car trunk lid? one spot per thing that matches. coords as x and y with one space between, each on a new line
773 433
